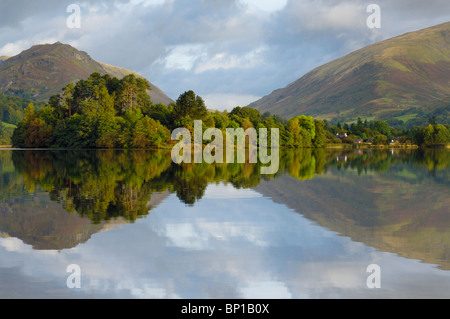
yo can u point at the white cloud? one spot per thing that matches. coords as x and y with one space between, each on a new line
266 5
344 15
228 192
145 3
184 56
266 290
186 236
228 61
329 16
14 244
11 49
228 101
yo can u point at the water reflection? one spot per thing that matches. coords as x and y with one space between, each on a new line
106 184
390 201
401 208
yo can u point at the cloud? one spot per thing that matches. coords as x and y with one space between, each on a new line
228 101
266 290
234 48
226 61
184 56
14 244
266 5
330 16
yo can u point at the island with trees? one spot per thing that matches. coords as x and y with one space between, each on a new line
104 112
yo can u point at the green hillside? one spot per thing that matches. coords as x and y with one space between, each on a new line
404 74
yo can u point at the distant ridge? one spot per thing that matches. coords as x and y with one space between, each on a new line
408 72
43 70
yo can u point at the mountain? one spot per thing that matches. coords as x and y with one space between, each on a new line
396 220
45 225
381 81
43 70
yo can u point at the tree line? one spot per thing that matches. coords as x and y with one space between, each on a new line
107 112
381 133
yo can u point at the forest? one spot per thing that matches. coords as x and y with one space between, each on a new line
104 112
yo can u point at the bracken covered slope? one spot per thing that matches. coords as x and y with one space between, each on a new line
43 70
405 72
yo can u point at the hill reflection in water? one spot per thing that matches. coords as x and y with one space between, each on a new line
395 201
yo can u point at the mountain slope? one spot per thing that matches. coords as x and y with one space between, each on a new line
378 81
43 70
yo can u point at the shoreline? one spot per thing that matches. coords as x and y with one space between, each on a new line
329 146
371 146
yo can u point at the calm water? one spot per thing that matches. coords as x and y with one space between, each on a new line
139 226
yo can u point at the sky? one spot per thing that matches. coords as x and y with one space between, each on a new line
230 52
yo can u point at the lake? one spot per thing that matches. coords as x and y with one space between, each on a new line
136 225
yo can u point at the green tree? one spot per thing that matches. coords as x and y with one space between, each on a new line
380 139
189 104
75 132
132 93
383 128
105 100
18 136
272 122
108 128
303 130
221 119
442 134
436 134
319 140
300 135
48 115
417 135
239 114
99 112
67 98
149 133
308 123
162 113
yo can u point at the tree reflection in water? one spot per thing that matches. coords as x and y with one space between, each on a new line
106 184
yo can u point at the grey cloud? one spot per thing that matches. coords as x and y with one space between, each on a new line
303 35
12 13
